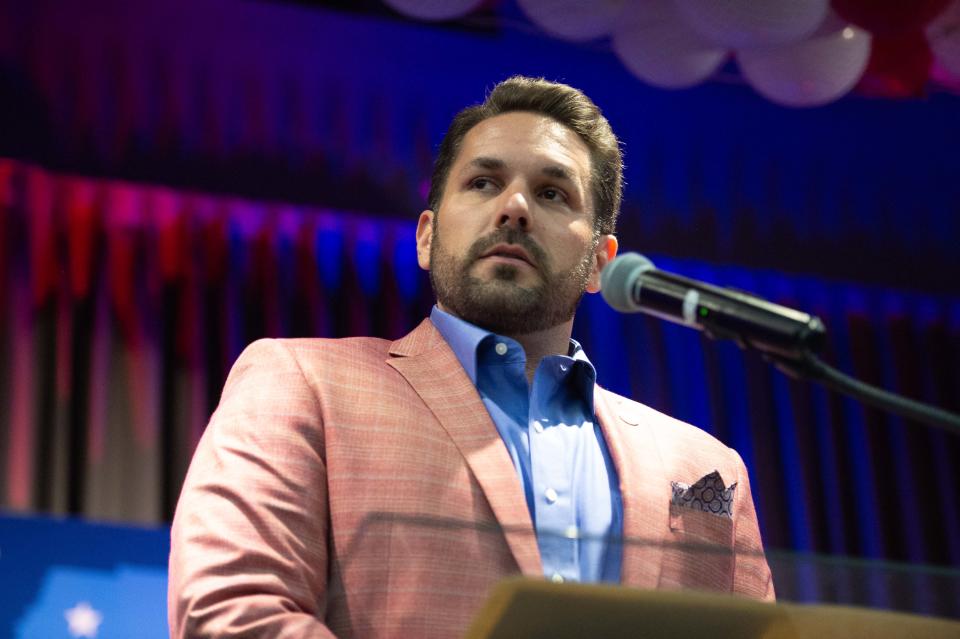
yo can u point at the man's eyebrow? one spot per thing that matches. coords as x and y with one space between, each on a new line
558 172
488 163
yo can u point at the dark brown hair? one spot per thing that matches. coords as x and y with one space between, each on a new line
565 104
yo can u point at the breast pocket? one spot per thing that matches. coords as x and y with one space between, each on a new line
698 553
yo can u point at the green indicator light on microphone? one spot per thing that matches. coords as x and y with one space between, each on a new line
703 312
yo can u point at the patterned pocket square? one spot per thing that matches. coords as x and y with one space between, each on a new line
707 495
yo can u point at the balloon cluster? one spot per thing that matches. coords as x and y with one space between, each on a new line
797 53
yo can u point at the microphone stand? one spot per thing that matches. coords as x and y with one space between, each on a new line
809 366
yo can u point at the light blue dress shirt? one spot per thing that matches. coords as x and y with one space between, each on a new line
556 445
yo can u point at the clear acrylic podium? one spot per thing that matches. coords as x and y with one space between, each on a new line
818 597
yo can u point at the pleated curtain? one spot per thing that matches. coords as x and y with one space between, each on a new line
124 305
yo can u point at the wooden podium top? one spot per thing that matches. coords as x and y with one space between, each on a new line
522 608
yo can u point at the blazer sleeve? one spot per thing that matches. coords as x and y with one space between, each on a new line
751 574
249 547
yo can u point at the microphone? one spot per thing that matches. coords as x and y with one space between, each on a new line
631 284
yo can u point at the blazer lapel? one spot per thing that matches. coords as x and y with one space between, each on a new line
644 489
425 360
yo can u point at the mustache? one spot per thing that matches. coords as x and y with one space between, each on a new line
507 235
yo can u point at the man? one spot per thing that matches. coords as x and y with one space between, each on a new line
364 488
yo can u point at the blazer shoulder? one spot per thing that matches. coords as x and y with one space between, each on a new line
672 434
303 349
312 358
362 347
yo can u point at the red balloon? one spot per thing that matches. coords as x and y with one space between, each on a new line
899 66
889 17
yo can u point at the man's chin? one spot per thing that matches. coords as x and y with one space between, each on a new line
495 298
508 276
498 291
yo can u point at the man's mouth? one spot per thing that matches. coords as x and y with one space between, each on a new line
509 253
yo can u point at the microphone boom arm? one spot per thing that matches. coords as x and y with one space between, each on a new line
811 367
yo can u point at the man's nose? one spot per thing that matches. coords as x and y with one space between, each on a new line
515 211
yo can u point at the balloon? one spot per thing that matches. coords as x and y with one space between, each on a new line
574 19
944 37
889 17
944 78
899 66
434 9
655 44
750 23
811 72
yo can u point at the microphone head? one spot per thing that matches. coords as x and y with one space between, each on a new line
617 280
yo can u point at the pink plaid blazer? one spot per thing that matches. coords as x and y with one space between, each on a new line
278 530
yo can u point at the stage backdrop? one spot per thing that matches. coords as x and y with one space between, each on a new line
124 306
160 207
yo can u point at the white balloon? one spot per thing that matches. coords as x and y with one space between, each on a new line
811 72
943 33
750 23
434 9
575 20
655 44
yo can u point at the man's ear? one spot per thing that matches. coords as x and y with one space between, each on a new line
424 238
604 253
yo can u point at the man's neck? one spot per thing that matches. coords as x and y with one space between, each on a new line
552 341
536 346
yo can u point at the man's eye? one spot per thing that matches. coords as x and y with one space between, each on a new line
553 194
481 184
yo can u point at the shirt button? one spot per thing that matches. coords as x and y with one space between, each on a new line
556 578
501 348
551 495
571 532
537 426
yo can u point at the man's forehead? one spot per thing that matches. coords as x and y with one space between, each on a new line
496 143
550 169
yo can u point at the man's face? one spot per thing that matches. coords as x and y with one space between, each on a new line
512 248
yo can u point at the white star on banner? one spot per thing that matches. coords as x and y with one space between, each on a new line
83 620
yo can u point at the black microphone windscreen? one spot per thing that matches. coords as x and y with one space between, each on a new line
617 278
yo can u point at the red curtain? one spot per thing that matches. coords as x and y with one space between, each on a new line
124 307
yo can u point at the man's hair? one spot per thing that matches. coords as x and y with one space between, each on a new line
565 104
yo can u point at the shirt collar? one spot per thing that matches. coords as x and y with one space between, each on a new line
464 338
583 376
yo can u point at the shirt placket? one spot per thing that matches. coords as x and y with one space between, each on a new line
553 486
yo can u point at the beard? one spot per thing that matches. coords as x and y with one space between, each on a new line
499 304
